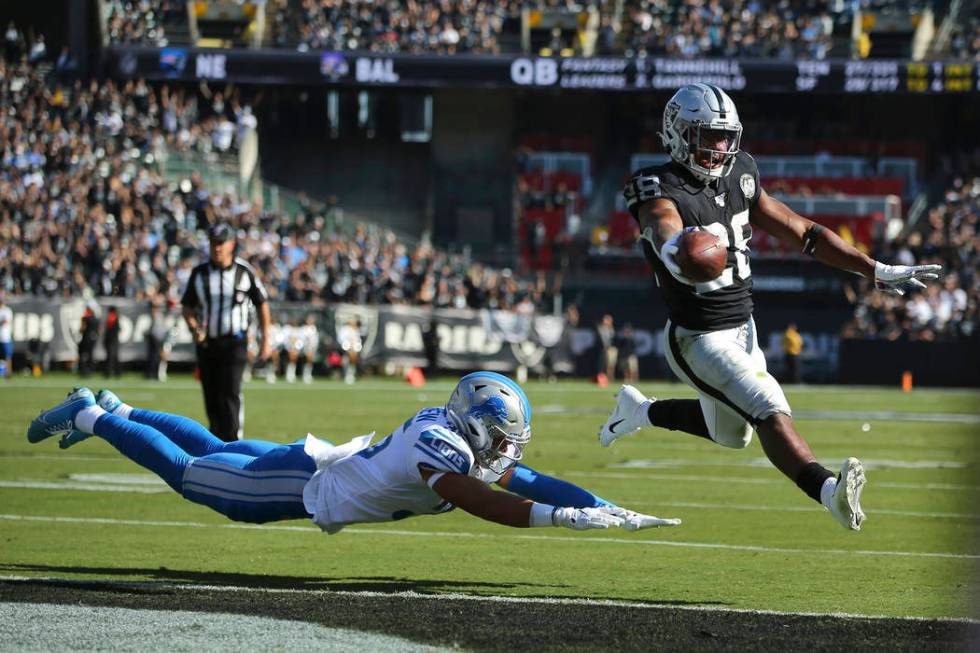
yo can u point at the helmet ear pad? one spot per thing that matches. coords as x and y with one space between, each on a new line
472 429
476 433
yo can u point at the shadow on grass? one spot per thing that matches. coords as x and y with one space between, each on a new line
131 579
265 581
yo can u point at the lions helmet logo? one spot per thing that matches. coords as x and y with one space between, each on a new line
748 185
493 407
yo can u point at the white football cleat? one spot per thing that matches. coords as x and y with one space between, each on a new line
845 504
629 415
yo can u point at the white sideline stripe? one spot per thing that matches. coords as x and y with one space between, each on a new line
758 481
84 487
360 530
815 509
62 456
120 479
410 594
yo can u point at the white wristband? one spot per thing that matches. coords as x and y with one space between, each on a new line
541 515
879 268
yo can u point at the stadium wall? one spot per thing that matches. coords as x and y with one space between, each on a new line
883 362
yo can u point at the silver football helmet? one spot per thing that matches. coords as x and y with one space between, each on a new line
493 414
696 119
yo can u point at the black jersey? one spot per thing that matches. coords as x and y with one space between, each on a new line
223 296
722 208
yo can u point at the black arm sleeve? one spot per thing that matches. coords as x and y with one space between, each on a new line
257 292
190 298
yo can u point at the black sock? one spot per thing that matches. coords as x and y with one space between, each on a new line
811 479
679 415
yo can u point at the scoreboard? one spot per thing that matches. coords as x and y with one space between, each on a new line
887 77
939 77
598 74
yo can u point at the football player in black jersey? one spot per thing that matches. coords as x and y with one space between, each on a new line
711 342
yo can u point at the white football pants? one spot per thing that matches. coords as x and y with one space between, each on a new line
728 369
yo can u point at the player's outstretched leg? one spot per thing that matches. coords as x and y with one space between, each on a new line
141 444
255 489
186 433
634 411
243 487
790 453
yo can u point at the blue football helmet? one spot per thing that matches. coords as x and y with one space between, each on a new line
494 415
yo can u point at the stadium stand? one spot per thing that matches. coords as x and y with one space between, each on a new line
142 21
551 190
446 27
92 186
784 30
950 311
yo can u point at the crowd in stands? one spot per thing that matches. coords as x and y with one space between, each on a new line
727 28
966 41
447 27
948 309
781 29
141 21
83 209
691 28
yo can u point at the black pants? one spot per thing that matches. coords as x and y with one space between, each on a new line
793 368
86 356
111 358
222 362
152 357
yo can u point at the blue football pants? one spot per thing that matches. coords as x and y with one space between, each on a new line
247 480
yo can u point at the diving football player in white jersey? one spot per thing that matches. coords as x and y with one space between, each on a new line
440 458
711 185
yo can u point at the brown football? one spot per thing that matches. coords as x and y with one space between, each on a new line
701 256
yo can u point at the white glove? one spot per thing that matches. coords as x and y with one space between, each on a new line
636 521
889 277
581 519
668 251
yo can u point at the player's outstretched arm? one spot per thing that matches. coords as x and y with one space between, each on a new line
530 484
661 226
477 498
827 247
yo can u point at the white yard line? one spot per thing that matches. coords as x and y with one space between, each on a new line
61 456
361 530
814 509
409 594
83 487
760 481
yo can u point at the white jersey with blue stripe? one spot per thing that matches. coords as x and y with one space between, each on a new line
384 482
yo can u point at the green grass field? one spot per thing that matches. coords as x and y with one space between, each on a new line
750 539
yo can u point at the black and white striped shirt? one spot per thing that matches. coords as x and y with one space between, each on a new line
223 297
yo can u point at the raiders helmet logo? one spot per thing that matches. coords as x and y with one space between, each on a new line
748 185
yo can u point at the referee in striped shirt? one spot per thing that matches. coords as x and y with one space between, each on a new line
216 308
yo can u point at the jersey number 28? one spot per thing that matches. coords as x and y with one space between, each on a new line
740 228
